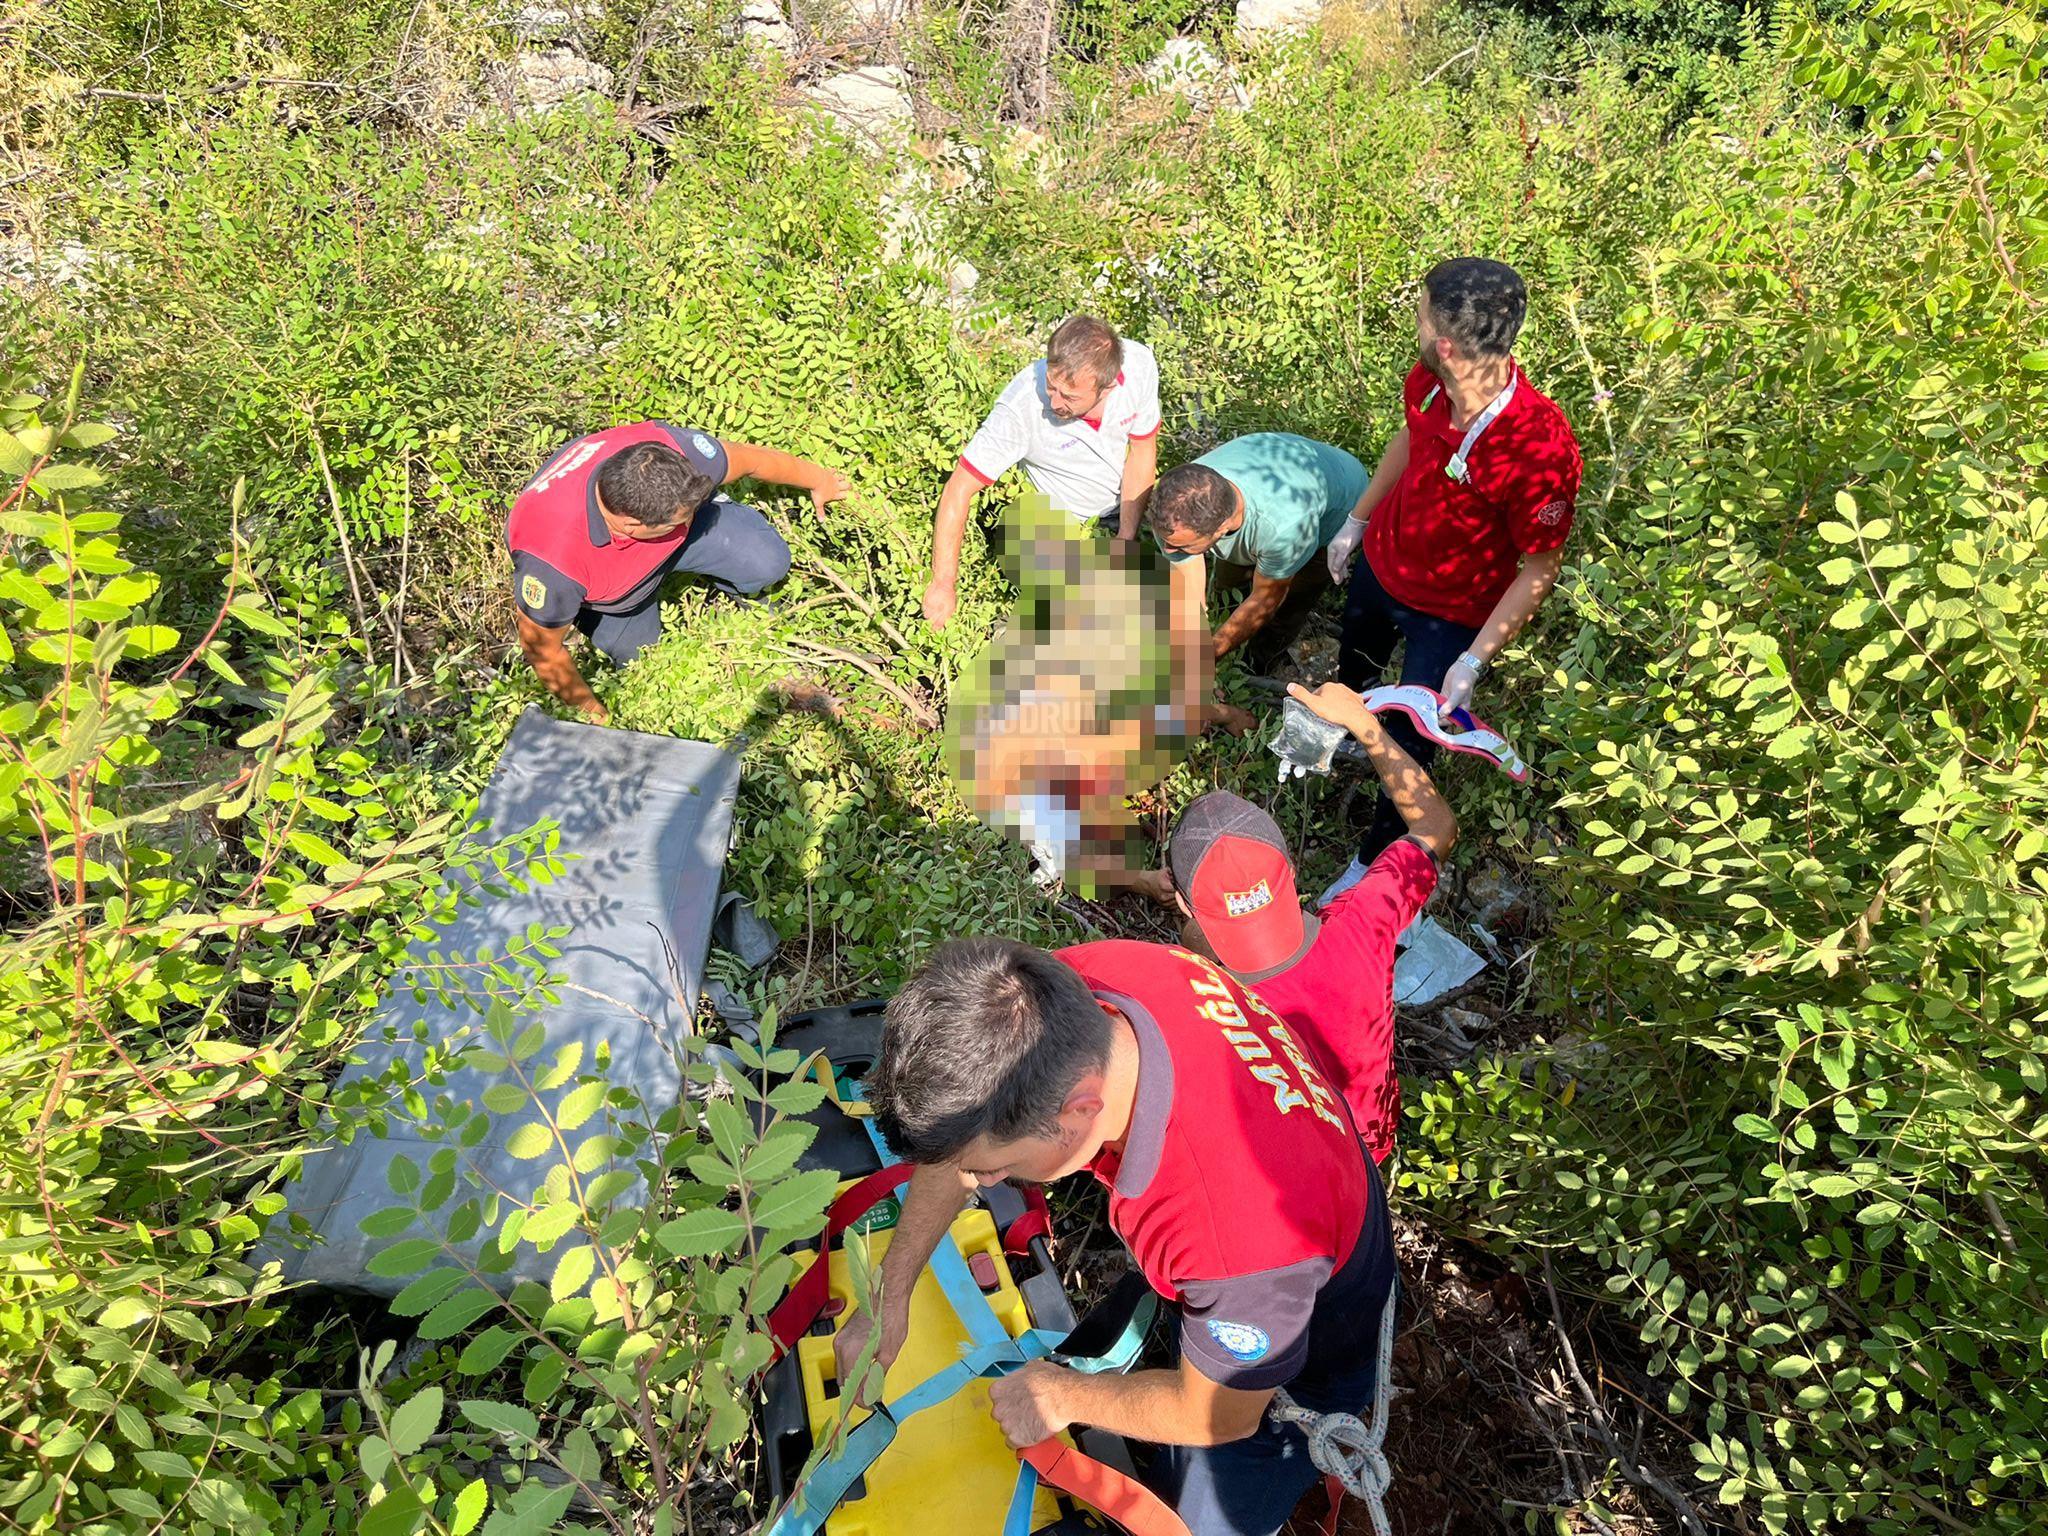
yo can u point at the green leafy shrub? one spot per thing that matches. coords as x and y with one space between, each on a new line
623 1380
1803 903
1669 34
195 928
197 934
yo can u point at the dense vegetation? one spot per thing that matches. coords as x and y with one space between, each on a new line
1790 817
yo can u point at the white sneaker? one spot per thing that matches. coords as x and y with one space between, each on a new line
1337 887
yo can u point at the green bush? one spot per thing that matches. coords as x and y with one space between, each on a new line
196 927
1802 905
198 932
1792 1128
1669 34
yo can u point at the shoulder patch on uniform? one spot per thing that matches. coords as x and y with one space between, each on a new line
704 445
1550 514
1242 1341
532 591
1244 903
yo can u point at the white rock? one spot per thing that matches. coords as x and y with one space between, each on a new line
540 81
1266 18
761 24
1185 63
24 267
872 103
1189 67
962 280
543 23
838 18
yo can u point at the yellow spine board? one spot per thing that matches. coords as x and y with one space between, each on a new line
949 1472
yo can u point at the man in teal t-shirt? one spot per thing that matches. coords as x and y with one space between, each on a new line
1266 505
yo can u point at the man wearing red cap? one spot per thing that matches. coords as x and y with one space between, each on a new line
1333 975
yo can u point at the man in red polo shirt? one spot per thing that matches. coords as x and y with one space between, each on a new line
611 514
1235 1176
1464 521
1332 976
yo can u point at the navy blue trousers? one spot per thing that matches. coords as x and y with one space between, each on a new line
730 544
1249 1487
1374 624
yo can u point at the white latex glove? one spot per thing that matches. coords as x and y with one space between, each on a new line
1343 545
1457 690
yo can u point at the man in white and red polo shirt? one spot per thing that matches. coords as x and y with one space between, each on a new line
611 514
1083 423
1331 975
1235 1176
1465 520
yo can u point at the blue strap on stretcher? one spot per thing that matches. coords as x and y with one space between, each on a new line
991 1352
805 1514
957 1281
866 1441
948 1267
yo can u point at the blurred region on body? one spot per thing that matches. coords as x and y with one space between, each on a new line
1071 708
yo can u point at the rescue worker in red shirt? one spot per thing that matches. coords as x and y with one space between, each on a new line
612 514
1235 1176
1464 522
1330 975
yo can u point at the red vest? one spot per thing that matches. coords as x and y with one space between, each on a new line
1247 1161
556 518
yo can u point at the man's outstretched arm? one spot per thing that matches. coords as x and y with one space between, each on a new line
1428 815
1251 615
749 461
936 1195
942 593
1141 470
1165 1407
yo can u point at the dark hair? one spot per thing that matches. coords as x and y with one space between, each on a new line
1478 303
1088 347
1191 496
987 1040
652 484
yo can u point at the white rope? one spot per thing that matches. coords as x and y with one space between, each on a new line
1343 1446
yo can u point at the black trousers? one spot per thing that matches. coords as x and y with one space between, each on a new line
1374 625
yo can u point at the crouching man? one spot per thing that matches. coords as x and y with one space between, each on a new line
1235 1175
1332 974
612 515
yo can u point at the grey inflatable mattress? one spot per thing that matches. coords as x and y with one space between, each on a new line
645 822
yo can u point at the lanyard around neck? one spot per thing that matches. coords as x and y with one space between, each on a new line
1458 468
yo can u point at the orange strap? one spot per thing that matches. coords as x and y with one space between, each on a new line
1118 1495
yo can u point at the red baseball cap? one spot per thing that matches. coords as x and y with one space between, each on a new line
1231 864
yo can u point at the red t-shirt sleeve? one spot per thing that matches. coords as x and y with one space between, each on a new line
1359 930
1370 916
1543 499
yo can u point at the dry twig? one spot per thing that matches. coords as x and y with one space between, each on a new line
921 714
1680 1506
